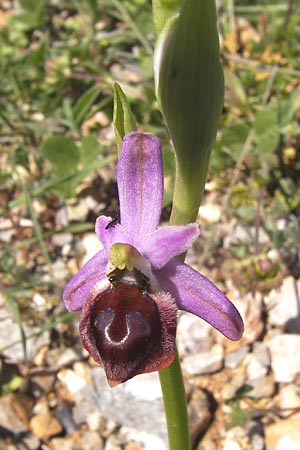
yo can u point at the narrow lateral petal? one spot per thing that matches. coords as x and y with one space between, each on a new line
78 288
162 245
110 233
196 294
140 183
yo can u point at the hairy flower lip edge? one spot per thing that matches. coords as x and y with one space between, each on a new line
164 353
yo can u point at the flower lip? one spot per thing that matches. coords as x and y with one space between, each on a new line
123 330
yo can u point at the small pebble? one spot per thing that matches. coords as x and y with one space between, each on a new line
285 357
204 362
234 359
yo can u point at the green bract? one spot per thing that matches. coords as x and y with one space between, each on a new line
163 10
124 121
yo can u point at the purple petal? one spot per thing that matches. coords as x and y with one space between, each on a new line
196 294
162 245
110 234
140 183
78 288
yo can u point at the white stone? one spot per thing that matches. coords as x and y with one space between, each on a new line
283 305
6 230
287 443
147 440
259 361
94 419
91 203
62 218
59 270
290 396
255 369
211 212
145 387
204 362
234 359
230 444
77 212
39 300
262 386
24 222
71 380
12 349
285 357
38 116
283 434
193 335
91 245
139 412
61 239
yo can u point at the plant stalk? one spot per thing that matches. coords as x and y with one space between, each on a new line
172 386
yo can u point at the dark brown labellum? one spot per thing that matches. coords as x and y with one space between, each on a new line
120 329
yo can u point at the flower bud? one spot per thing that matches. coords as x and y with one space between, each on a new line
190 88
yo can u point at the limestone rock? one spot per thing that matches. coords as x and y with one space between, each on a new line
45 426
283 434
262 386
285 357
193 335
234 359
15 410
204 362
283 305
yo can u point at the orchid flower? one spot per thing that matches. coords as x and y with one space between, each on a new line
131 290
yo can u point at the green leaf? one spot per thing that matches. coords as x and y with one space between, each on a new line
124 121
33 13
65 189
89 150
62 153
234 138
266 131
288 107
13 385
84 103
247 213
233 82
65 184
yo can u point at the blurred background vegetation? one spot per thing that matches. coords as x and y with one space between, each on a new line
58 63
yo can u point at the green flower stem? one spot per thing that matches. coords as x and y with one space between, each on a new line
172 386
186 202
188 191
